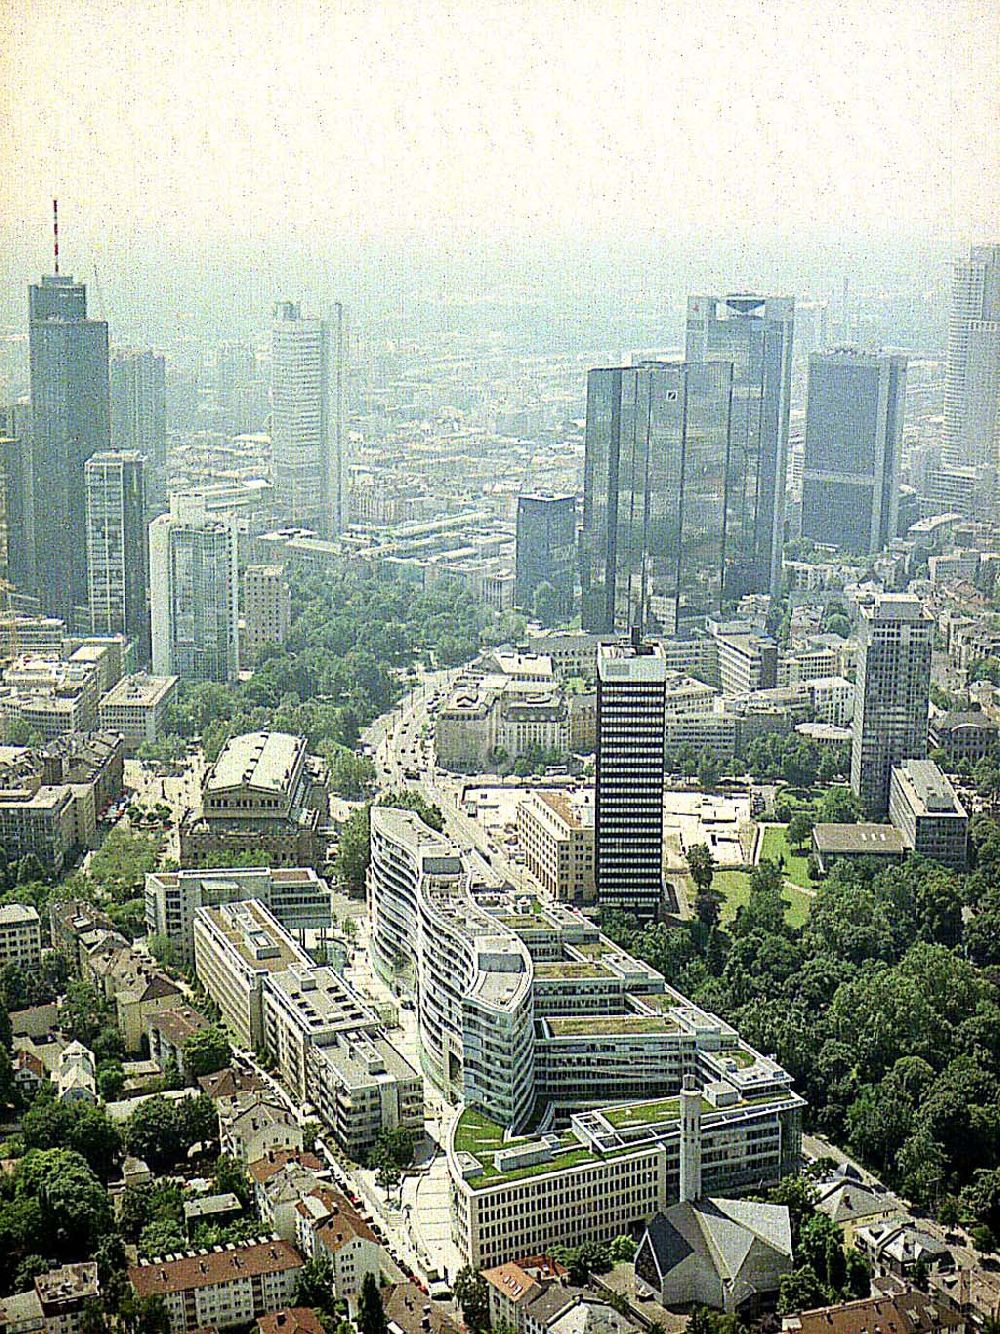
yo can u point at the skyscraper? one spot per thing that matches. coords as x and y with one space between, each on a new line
307 417
17 536
70 422
854 430
139 411
972 385
267 610
194 592
546 552
117 550
890 695
755 334
628 781
652 549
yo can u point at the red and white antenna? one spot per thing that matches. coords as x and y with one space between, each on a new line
55 232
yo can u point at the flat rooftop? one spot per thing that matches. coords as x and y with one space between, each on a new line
252 932
861 839
264 760
143 691
927 789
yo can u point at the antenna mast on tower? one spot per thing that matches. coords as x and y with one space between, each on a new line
55 232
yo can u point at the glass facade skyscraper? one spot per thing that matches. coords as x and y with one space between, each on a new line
546 552
652 549
755 334
972 386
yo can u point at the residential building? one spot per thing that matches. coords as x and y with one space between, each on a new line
38 823
117 547
76 1078
307 368
926 810
963 735
216 1209
628 781
194 592
891 695
221 1287
754 333
899 1245
408 1311
56 1304
264 794
854 429
70 421
293 1320
329 1226
139 411
556 832
856 842
652 547
909 1312
136 706
296 896
546 554
254 1123
20 935
267 609
972 385
168 1031
280 1180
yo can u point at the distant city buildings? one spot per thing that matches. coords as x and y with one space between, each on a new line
117 547
17 520
972 387
854 430
546 555
891 695
653 544
194 593
139 412
628 781
70 422
755 334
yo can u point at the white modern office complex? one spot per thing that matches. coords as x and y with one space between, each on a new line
526 1011
972 386
194 592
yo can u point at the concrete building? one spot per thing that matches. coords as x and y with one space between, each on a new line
139 411
297 897
20 935
221 1287
891 695
747 661
972 386
755 334
856 842
926 810
653 543
854 427
117 547
628 781
194 592
264 794
267 610
546 552
57 1304
502 709
556 833
963 735
38 823
70 421
136 706
17 537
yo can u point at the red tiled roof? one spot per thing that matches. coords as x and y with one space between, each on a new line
214 1267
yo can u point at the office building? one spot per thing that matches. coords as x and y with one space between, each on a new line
628 781
890 695
20 935
70 422
546 555
972 384
194 592
556 832
267 610
926 810
117 547
307 417
137 707
17 532
755 334
652 547
139 412
854 432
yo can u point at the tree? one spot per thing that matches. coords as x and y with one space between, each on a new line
75 1212
473 1296
153 1133
231 1178
701 866
352 776
206 1051
388 1175
145 1315
394 1146
709 769
839 805
353 852
623 1249
89 1131
314 1285
799 828
371 1313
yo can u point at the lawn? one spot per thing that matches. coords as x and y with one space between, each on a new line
776 846
734 886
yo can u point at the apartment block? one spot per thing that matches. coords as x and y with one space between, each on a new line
20 935
556 833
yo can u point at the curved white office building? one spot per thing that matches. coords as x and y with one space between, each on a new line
473 976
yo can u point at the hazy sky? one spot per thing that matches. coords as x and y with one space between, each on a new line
482 119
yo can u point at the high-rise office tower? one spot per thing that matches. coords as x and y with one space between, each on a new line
139 412
70 422
755 334
117 548
194 592
890 695
628 781
854 430
17 536
267 609
652 549
546 553
307 417
972 384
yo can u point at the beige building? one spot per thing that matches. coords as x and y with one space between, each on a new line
328 1225
221 1288
267 609
556 832
20 935
926 810
136 706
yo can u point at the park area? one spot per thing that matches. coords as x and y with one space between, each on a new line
733 887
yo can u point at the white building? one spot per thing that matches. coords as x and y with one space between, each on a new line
972 384
136 707
20 935
117 548
77 1074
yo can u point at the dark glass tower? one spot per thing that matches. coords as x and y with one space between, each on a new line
755 334
546 552
70 422
653 545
